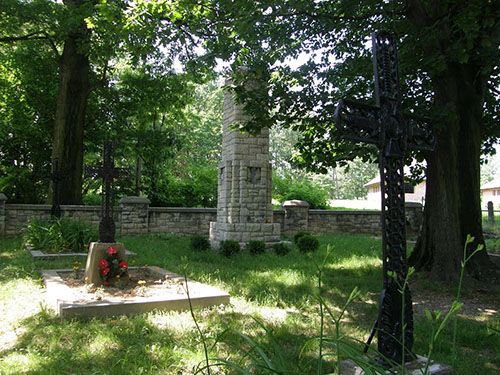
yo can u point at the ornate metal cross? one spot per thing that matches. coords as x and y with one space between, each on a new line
108 173
56 176
385 126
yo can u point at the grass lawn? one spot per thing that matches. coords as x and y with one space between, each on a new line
272 294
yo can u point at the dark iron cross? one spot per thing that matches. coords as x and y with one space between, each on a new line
385 126
108 173
56 176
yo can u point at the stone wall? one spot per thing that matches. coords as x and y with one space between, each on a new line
181 221
134 217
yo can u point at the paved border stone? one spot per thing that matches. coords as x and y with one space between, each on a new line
38 255
61 298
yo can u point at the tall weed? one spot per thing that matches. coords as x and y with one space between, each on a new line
59 235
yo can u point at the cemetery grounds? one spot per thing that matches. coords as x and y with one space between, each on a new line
274 309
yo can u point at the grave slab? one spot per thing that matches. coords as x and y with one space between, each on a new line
67 304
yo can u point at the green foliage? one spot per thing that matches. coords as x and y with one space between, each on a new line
302 188
199 190
229 247
59 235
256 247
297 236
307 243
199 243
281 248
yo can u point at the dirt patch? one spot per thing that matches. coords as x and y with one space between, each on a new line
479 304
142 283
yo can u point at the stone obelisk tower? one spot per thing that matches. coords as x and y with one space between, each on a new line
244 209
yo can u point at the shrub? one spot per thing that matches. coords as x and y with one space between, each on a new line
298 235
307 243
59 235
301 188
229 247
256 247
199 243
281 248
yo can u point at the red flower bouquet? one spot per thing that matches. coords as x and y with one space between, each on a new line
112 268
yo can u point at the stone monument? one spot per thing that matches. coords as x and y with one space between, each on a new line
244 208
106 259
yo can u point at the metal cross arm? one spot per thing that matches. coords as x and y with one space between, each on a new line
362 122
394 133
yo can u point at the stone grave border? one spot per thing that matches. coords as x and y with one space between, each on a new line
61 298
40 255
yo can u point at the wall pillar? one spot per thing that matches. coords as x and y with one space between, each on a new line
3 200
135 216
296 216
414 216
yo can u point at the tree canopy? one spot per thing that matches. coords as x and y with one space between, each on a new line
448 53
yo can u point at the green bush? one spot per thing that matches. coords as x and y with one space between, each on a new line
229 247
288 188
59 235
298 235
197 189
281 248
256 247
199 243
307 243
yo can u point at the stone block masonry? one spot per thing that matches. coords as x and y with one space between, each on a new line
134 217
244 209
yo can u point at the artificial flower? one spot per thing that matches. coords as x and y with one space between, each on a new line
103 263
112 250
123 264
105 271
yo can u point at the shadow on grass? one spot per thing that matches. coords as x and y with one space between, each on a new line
125 346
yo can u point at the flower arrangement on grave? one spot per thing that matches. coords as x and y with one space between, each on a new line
112 268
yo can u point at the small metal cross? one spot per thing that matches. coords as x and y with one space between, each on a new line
56 176
385 126
108 173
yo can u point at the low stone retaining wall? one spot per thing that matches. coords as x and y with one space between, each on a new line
134 217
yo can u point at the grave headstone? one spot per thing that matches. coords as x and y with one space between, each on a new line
244 208
95 273
393 133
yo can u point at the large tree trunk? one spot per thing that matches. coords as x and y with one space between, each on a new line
452 204
71 108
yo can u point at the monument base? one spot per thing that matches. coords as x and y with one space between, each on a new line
243 232
98 251
415 367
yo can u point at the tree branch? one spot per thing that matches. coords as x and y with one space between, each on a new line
32 36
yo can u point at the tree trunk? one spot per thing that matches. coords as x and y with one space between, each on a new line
452 204
71 108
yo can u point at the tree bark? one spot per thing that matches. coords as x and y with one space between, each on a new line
71 108
452 206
